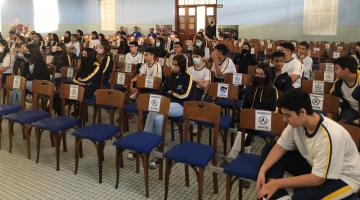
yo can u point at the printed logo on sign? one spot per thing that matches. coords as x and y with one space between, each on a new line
336 54
149 82
16 82
317 101
329 67
223 90
154 103
122 58
329 77
263 120
237 79
128 67
120 79
74 90
318 87
69 73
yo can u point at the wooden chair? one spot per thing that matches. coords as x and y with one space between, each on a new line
152 140
57 126
41 90
245 79
195 155
251 70
324 66
12 82
99 133
307 86
166 72
330 104
354 132
246 166
320 75
148 82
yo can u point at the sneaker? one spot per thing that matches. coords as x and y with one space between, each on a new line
131 156
154 164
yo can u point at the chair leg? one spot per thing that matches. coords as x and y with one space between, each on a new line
161 168
145 161
11 133
81 149
119 163
201 182
27 136
57 137
137 163
0 131
167 177
100 151
172 130
228 187
181 132
225 137
52 140
187 181
94 115
240 189
38 140
77 153
63 135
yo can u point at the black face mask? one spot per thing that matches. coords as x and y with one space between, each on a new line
259 80
244 51
27 55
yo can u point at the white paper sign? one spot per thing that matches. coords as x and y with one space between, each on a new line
74 90
252 51
162 61
69 73
237 78
317 101
336 54
262 120
16 82
269 45
223 90
57 75
329 77
128 67
262 43
329 67
154 103
121 58
318 87
149 82
49 59
278 48
317 49
327 45
242 40
120 78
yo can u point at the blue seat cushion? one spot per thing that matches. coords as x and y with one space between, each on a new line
9 108
26 117
227 103
56 124
225 123
191 153
130 107
97 132
244 166
141 142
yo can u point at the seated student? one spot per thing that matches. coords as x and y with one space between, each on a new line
356 96
356 54
106 62
80 36
37 66
152 33
160 51
53 40
89 73
60 58
172 39
318 152
74 46
7 60
282 81
101 38
67 36
221 64
38 40
245 58
348 79
178 50
122 31
199 42
136 34
291 65
94 40
134 56
200 74
260 95
178 87
306 61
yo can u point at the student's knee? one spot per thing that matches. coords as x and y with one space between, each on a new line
303 193
159 119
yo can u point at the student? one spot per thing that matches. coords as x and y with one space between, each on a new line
122 31
260 95
292 66
60 58
160 51
106 62
356 54
54 40
74 46
80 36
7 60
221 64
89 73
245 58
152 33
318 152
124 46
150 67
136 34
306 61
282 81
178 50
178 87
102 37
134 56
200 74
211 30
348 79
38 40
67 36
94 40
199 42
172 39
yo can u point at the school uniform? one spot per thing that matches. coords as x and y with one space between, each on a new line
197 75
307 64
293 67
8 61
134 59
151 70
93 43
90 76
106 65
227 66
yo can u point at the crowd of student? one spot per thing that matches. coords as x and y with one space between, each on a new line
191 74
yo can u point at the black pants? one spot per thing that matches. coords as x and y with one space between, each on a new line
293 163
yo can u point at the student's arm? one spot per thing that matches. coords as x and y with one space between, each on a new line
6 63
203 83
296 72
184 93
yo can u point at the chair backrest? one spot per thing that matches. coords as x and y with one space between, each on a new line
150 82
67 72
237 79
166 71
324 76
354 132
316 87
326 67
16 82
262 120
151 102
330 104
204 112
42 88
251 70
223 90
51 70
127 68
120 78
71 92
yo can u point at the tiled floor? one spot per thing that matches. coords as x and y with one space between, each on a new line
21 178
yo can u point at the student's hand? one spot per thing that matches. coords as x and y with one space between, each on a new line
268 190
260 180
214 57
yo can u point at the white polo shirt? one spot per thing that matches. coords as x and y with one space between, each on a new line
293 67
153 70
227 67
306 66
330 151
134 59
8 61
202 74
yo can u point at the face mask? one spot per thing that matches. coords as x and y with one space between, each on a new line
244 51
198 44
259 80
157 44
196 61
27 55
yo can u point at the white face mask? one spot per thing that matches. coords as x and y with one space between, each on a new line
31 68
157 44
196 61
198 44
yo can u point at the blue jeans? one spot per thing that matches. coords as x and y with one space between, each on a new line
154 121
29 86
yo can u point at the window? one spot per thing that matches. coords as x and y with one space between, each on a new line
46 16
107 15
195 2
320 17
1 4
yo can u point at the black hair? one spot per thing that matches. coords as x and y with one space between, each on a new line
134 43
80 31
55 37
68 32
150 50
247 44
268 74
178 43
39 36
5 51
106 46
198 52
358 44
277 54
305 44
294 100
347 62
35 53
101 36
222 48
181 62
96 34
288 45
